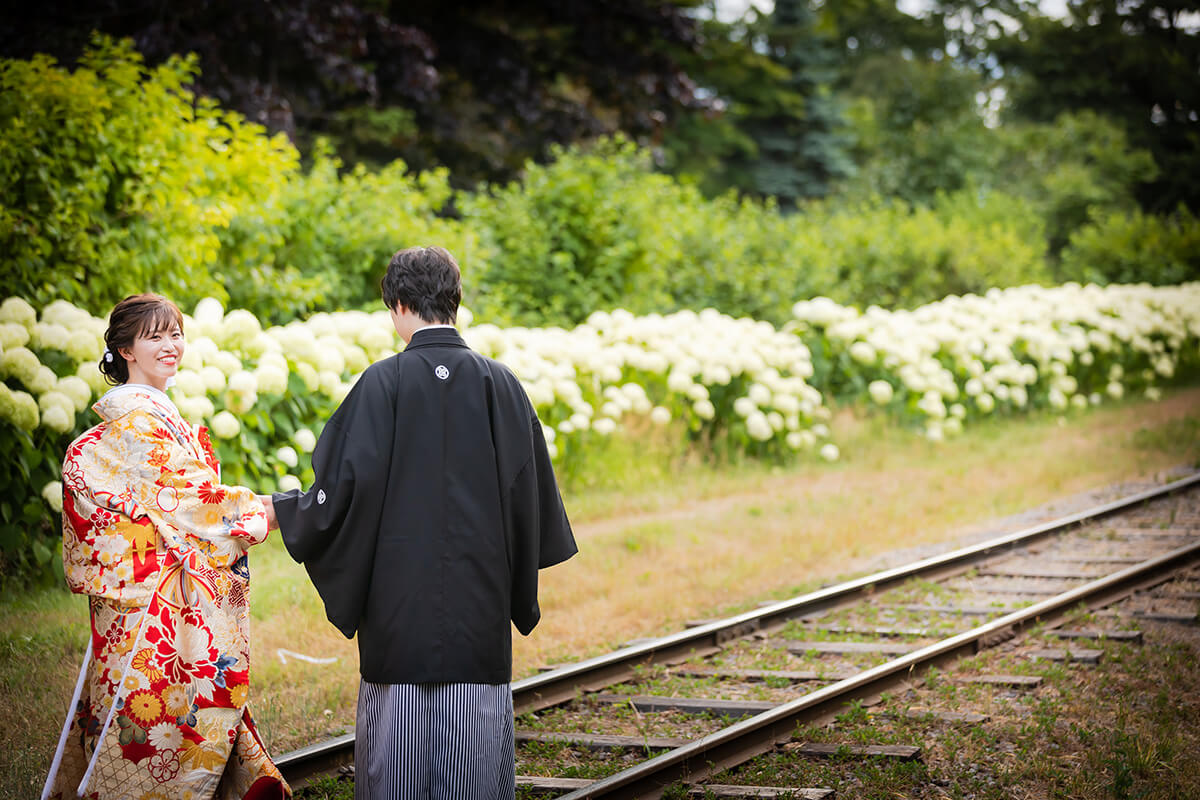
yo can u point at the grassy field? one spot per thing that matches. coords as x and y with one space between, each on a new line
661 542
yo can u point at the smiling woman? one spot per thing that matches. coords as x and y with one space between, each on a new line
159 547
144 342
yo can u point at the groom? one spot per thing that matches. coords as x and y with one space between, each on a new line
433 507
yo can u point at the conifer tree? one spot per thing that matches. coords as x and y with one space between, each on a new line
802 142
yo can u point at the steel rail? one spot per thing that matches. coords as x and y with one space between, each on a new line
565 682
729 747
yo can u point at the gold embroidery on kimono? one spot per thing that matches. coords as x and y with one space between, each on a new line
159 545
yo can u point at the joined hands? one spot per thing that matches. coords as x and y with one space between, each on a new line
272 521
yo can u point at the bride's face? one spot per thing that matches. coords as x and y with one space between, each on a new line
154 357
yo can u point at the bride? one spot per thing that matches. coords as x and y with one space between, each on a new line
159 546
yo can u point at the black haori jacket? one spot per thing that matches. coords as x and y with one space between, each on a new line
434 505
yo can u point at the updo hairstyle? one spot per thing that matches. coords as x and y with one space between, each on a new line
136 315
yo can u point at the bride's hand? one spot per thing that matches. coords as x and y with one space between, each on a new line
272 522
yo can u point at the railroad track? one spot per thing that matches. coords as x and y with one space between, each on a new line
746 683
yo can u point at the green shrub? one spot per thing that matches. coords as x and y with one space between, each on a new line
115 178
324 242
1133 247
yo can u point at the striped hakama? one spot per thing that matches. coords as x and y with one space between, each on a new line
434 741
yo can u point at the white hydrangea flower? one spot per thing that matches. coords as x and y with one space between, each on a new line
20 363
863 353
758 427
242 382
704 409
57 419
881 392
744 407
195 409
227 362
52 493
77 390
190 383
310 376
83 346
49 336
759 395
213 378
287 456
90 373
209 313
19 311
289 482
13 335
305 439
830 452
226 425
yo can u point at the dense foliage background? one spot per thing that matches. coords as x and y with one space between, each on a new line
643 155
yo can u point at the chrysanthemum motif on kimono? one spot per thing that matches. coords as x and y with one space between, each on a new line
160 546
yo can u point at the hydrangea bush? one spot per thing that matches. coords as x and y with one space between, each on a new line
727 385
1007 351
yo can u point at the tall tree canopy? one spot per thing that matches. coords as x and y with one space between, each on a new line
481 85
1137 61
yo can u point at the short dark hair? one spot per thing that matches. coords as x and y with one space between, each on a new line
426 281
136 315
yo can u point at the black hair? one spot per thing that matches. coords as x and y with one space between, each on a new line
136 315
426 281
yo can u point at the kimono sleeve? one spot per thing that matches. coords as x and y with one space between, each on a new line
332 528
539 533
182 493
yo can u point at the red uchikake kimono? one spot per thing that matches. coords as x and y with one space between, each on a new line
159 546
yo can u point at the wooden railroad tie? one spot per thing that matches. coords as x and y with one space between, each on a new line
967 611
756 675
845 630
600 742
1154 533
845 648
1011 590
1042 572
1010 681
900 752
1186 618
921 714
1094 559
1079 655
727 790
552 787
1134 637
687 705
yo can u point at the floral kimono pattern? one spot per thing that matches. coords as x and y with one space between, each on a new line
159 545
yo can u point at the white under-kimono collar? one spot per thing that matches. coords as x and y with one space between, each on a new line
117 392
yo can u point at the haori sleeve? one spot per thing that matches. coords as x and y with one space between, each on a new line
332 528
539 533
